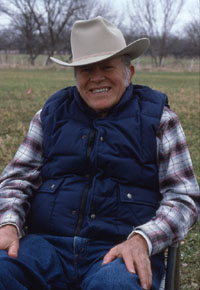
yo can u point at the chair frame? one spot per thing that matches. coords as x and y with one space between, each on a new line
172 281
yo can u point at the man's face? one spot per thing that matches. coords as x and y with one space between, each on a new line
101 85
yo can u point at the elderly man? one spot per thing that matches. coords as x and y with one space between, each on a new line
108 175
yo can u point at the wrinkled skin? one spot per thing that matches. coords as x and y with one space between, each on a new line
9 240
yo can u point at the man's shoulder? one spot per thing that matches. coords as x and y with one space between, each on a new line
142 89
168 115
148 94
152 102
56 99
59 95
169 121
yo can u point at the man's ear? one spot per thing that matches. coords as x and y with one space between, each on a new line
132 71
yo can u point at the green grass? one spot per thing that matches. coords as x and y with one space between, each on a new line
17 109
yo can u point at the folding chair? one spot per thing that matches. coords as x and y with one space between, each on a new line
171 280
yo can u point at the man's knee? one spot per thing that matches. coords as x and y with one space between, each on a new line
112 276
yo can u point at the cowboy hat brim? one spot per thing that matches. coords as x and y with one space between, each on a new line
134 50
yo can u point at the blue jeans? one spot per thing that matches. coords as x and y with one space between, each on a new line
49 262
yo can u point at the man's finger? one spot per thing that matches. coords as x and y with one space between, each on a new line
13 249
145 274
110 256
129 262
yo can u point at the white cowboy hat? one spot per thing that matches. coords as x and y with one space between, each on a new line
97 39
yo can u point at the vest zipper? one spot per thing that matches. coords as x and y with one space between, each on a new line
90 145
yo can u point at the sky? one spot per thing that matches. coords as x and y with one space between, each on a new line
190 9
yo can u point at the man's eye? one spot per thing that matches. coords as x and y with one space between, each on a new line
108 67
86 69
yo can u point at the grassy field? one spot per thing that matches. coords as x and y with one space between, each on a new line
23 92
169 62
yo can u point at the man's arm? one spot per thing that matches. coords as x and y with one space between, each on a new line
178 186
177 212
21 177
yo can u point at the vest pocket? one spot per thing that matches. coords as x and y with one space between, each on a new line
42 205
50 186
136 206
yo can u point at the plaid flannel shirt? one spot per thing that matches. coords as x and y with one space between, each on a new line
178 185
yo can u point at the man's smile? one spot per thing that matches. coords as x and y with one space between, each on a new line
99 90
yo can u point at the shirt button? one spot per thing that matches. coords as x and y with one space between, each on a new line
93 216
52 186
129 195
101 139
74 212
83 137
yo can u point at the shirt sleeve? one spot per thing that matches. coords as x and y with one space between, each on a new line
178 186
21 176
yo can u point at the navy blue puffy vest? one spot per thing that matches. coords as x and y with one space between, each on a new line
100 175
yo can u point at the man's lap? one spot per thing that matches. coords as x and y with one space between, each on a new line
58 262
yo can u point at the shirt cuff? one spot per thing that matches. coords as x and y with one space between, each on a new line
144 236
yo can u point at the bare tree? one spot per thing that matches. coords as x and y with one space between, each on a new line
95 8
155 19
8 43
55 18
193 37
51 18
22 22
45 25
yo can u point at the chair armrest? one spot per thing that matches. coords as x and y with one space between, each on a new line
172 281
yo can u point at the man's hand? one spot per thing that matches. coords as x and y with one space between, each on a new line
135 255
9 240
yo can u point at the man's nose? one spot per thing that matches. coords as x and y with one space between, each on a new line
97 75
